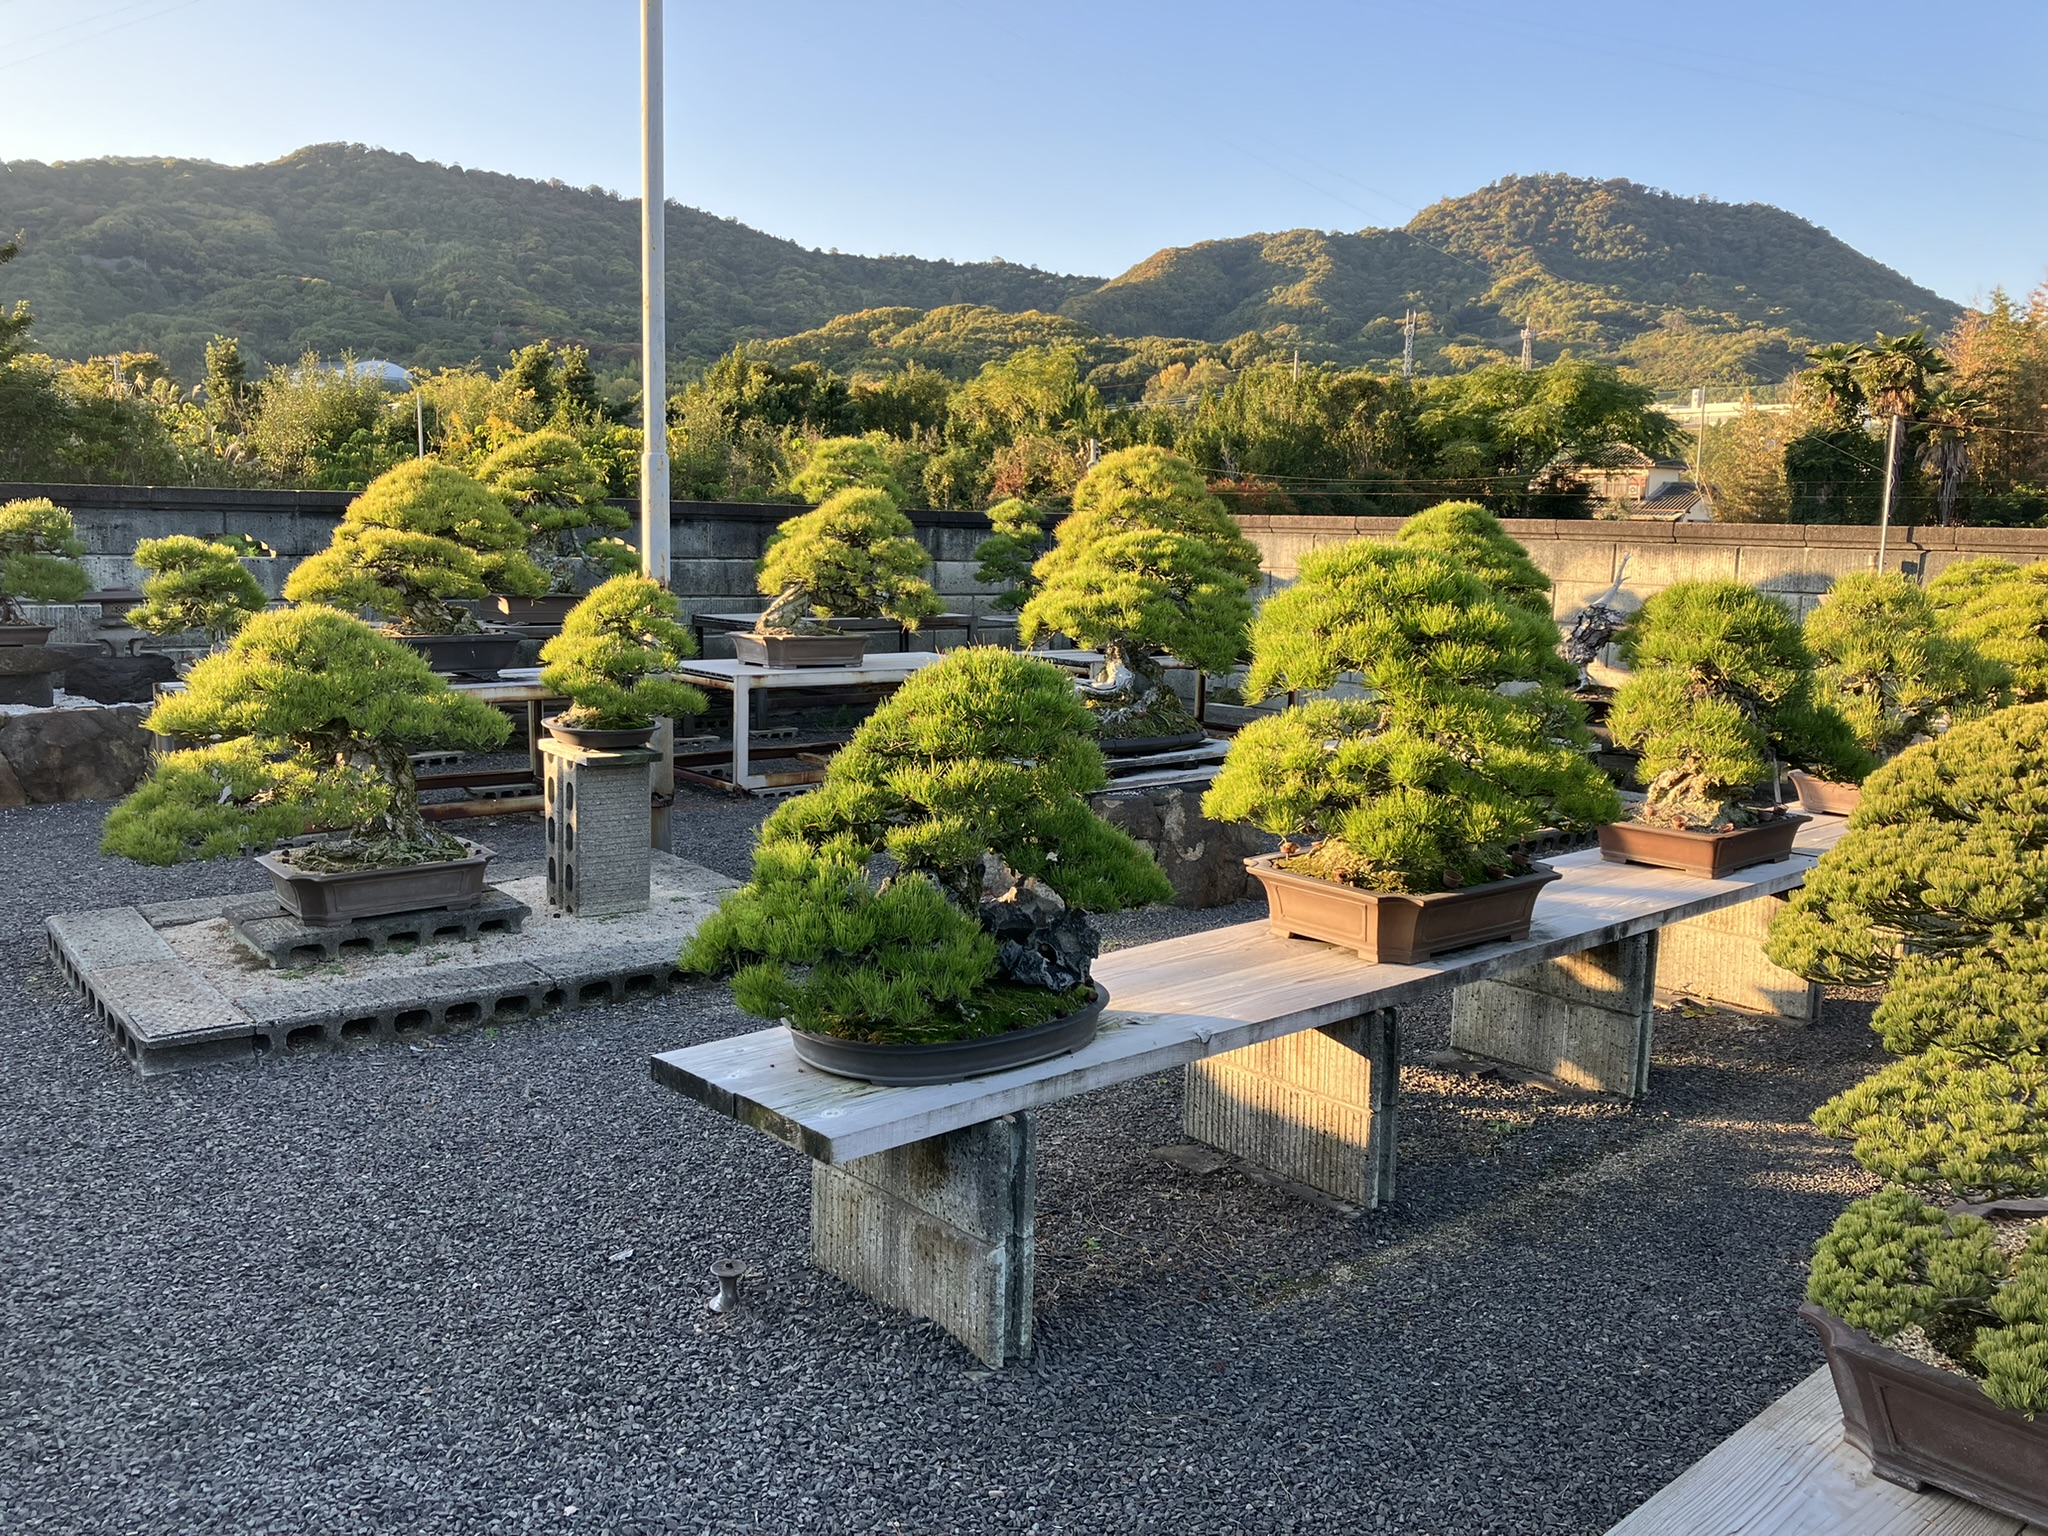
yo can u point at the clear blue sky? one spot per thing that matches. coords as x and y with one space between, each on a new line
1082 137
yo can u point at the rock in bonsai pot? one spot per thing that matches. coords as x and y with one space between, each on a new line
1411 807
853 557
551 487
1936 1321
970 779
604 662
1882 659
39 552
311 717
408 548
1721 689
1148 566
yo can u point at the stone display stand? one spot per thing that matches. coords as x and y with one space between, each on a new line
1581 1019
1317 1107
944 1228
268 930
595 809
1719 958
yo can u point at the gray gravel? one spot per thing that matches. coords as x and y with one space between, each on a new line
460 1289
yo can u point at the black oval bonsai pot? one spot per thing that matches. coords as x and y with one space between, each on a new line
591 740
1138 746
539 612
26 634
950 1061
1921 1425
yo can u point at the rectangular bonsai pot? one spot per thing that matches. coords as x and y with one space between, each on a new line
1921 1425
843 650
478 656
1709 855
1825 795
1394 927
537 611
329 899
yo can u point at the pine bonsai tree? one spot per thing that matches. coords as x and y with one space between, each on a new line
970 780
194 585
418 537
1148 565
39 552
1433 780
1008 554
838 464
1882 660
1721 691
1466 535
327 711
551 487
2002 610
855 557
610 645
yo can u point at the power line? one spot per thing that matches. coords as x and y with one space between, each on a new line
15 63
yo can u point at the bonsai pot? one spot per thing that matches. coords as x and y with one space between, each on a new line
26 634
1825 795
1140 746
1921 1425
477 656
829 650
598 740
540 612
1396 927
950 1061
1709 855
329 899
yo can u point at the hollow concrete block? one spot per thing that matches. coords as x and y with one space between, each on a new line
1582 1019
594 812
1719 957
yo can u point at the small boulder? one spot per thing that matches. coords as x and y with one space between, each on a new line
52 755
1041 942
1203 859
29 674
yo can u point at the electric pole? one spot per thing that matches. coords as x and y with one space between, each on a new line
654 488
1528 348
1408 345
1895 432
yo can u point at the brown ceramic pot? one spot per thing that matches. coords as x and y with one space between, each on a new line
1709 855
328 899
1395 927
843 650
1825 795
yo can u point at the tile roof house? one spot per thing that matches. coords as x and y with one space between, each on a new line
1625 482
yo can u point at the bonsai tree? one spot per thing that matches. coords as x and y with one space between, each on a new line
1721 691
838 464
1882 660
1466 535
418 537
1148 565
609 646
1904 898
307 710
970 780
854 557
1434 779
39 552
552 488
2000 609
194 585
1008 553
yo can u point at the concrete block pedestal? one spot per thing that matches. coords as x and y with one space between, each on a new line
1583 1019
1719 958
595 810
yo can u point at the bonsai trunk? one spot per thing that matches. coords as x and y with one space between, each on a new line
1683 796
400 833
1131 696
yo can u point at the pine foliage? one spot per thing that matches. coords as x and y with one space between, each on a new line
610 646
550 485
1466 535
1721 688
2014 1352
2002 611
847 463
985 752
235 797
194 585
1892 1260
1008 554
1432 781
39 550
1882 659
857 557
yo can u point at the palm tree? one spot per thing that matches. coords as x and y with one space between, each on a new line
1950 417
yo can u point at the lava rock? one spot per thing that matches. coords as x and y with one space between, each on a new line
1041 941
53 755
1203 859
90 673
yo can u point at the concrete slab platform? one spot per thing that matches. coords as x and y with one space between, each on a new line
175 988
266 929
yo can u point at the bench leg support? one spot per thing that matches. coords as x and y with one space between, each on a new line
1317 1107
942 1228
1719 958
1582 1019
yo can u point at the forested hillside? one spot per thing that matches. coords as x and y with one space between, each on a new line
338 248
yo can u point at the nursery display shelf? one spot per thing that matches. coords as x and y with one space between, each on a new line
175 989
1789 1472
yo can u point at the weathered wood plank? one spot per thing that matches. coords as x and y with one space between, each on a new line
1788 1472
1184 999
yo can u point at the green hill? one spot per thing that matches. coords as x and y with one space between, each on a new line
339 247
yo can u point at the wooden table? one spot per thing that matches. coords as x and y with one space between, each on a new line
1292 1055
742 680
727 623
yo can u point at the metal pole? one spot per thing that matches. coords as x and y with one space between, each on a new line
654 488
1891 462
419 417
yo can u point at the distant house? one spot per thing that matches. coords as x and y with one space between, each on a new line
1625 482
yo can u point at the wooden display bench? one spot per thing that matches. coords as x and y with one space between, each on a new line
923 1197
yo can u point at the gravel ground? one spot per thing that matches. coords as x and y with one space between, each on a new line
459 1289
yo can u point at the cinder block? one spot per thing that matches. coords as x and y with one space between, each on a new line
1719 957
594 813
1582 1019
944 1228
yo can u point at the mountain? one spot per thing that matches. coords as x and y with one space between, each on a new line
340 247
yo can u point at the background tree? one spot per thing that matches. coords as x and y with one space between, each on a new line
1008 554
1743 465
